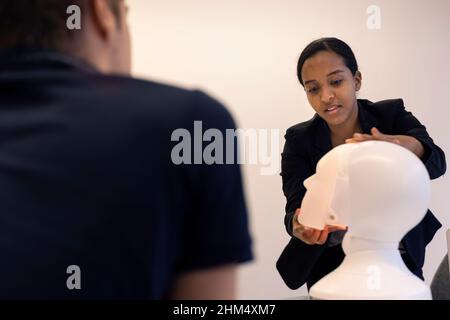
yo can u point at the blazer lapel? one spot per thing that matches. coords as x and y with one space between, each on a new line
366 119
322 140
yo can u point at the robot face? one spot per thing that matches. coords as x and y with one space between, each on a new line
326 199
378 189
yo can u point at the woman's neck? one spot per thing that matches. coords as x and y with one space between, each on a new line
345 130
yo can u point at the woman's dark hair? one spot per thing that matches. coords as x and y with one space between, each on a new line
39 23
327 44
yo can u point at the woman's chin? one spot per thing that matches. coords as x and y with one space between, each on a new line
334 121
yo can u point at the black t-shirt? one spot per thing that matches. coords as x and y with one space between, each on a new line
91 203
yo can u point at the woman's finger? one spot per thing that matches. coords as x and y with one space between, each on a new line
295 223
303 236
303 233
311 236
362 137
314 236
358 136
336 228
323 236
376 132
393 140
384 137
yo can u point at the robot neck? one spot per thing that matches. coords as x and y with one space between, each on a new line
352 244
364 254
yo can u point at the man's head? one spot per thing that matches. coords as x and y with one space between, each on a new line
103 39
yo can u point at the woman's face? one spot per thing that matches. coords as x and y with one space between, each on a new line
331 87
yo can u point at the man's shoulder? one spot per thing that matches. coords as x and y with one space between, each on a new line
147 96
135 88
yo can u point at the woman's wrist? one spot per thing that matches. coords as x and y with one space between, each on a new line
419 149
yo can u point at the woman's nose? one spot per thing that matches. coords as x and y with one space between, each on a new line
327 95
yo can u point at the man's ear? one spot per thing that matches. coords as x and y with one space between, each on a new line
358 80
103 18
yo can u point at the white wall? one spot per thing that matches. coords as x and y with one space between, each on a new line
244 52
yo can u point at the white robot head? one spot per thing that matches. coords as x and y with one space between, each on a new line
378 189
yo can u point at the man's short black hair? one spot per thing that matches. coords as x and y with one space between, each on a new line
39 23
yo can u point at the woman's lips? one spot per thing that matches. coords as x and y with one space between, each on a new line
333 109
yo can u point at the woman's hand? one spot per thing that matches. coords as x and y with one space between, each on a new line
310 235
408 142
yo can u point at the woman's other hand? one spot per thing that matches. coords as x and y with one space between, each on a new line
407 142
310 235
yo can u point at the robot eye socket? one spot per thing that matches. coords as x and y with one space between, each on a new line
331 215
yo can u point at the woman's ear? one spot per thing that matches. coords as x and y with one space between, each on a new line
358 80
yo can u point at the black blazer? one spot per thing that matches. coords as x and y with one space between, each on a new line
305 144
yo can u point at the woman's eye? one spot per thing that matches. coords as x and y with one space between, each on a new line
336 82
312 90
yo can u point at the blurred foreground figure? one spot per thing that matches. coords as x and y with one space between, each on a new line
92 203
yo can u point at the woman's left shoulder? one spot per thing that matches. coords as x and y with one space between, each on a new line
382 104
383 107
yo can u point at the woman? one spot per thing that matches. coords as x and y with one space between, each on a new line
328 71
